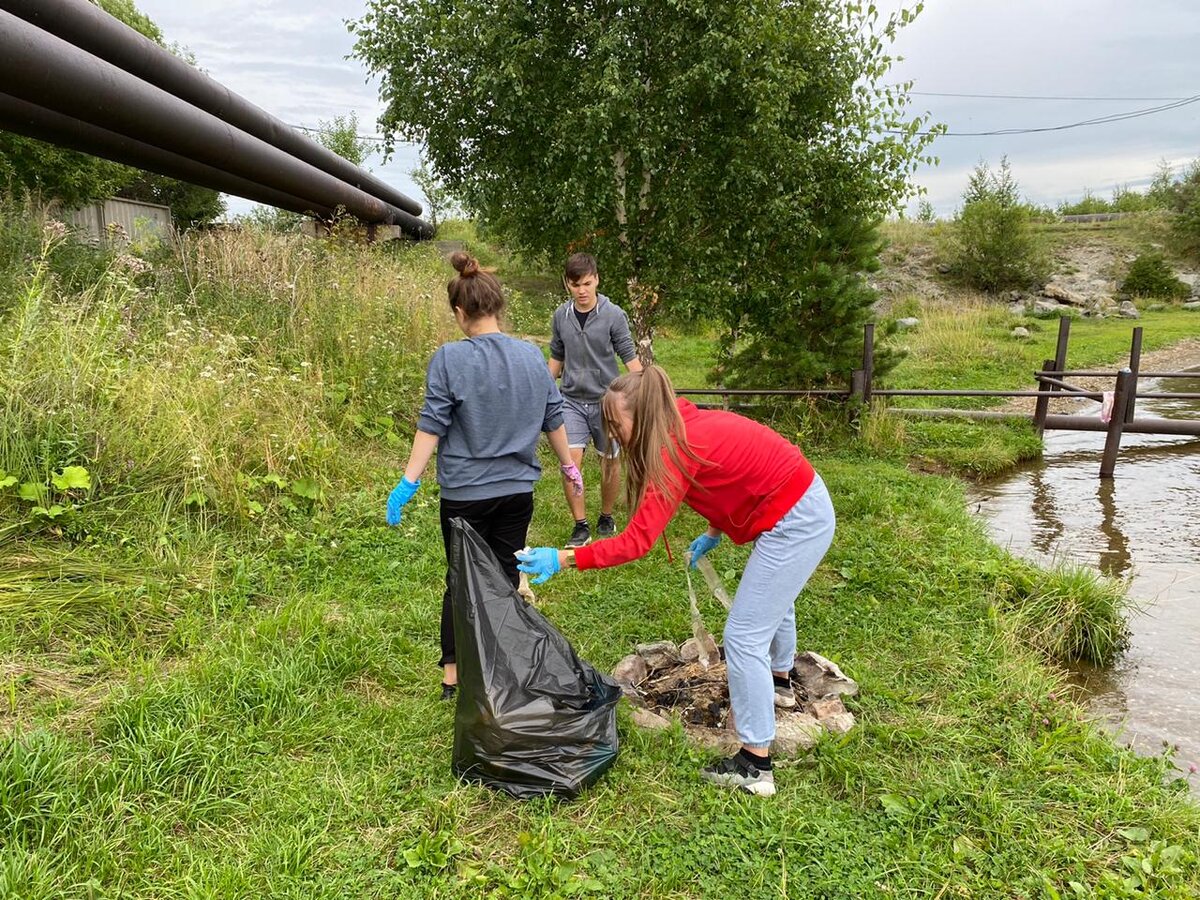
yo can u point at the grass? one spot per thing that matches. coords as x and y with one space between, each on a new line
247 705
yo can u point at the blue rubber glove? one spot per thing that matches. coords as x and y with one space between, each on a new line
400 495
700 546
542 562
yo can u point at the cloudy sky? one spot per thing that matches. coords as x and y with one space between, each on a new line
288 57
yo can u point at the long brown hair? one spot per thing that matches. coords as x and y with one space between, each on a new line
649 398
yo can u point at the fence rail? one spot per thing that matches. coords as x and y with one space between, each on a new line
1052 383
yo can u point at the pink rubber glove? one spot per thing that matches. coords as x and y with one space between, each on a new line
571 473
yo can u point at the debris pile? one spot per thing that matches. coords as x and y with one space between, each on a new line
665 681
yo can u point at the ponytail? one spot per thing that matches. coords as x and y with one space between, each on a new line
658 433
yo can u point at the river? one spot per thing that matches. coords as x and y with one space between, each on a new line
1142 526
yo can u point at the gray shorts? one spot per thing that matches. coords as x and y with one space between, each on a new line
584 421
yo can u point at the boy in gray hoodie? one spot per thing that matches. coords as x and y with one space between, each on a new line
587 334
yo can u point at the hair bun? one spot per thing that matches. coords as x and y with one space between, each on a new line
465 264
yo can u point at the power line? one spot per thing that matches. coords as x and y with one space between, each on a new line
1100 120
1043 97
1175 103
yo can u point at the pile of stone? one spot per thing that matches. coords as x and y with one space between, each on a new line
666 682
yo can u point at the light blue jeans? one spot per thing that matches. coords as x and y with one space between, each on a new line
760 632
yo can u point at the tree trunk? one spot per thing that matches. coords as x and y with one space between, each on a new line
643 304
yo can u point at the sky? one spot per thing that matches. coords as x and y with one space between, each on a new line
289 58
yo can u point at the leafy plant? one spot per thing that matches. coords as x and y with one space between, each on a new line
1151 276
993 244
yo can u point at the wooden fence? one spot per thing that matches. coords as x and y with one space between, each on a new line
1051 381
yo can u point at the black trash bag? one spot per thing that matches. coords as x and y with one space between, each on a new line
532 717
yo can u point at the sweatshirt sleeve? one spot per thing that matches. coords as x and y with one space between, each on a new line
557 350
622 340
647 524
438 408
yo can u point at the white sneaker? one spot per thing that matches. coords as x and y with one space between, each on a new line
734 773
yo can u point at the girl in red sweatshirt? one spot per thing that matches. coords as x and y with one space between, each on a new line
749 483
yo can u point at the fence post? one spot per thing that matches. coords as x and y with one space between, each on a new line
1135 359
1058 365
868 366
1043 403
1116 424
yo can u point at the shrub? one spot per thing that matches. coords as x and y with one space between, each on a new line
994 246
1151 276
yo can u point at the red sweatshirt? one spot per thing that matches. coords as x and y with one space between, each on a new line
748 481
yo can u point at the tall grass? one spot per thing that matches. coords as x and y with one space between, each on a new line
194 374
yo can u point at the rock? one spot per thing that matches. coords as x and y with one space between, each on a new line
1192 304
826 707
689 650
795 732
907 323
822 678
651 721
1063 295
943 269
1016 296
659 655
631 671
1020 332
720 739
1046 308
839 724
1127 310
1156 307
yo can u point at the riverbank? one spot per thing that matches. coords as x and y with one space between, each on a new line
220 665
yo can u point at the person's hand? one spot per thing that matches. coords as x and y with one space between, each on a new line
541 561
571 473
700 546
400 495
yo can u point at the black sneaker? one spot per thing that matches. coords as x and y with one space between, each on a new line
580 537
734 773
606 527
449 690
785 694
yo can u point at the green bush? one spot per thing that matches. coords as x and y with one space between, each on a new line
1151 276
994 247
993 244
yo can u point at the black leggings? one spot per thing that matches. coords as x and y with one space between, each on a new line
503 522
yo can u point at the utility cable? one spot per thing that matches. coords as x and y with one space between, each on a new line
1099 120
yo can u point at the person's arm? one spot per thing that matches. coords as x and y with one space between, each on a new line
647 525
423 446
558 443
622 342
557 349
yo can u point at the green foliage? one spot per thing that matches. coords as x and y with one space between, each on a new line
340 134
1124 200
720 159
438 200
994 245
1151 276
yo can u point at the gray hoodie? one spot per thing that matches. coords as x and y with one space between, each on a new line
589 354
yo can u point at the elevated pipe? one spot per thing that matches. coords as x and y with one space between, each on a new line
44 70
44 125
90 28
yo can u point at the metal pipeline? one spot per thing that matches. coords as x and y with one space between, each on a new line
46 71
90 28
45 125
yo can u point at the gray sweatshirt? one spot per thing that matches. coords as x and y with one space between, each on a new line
488 399
589 354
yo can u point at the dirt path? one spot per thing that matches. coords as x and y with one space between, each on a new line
1178 357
